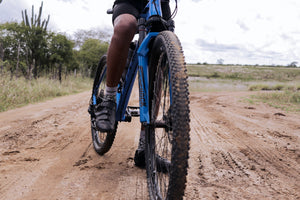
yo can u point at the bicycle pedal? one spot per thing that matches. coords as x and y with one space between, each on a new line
91 110
133 111
93 123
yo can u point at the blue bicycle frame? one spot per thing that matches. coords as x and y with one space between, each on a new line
139 63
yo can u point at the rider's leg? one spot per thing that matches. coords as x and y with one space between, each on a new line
125 26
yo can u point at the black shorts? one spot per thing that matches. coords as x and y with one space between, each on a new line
132 7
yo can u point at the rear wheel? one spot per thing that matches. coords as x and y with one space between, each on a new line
102 141
167 136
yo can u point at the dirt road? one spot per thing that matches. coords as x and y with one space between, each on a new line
238 151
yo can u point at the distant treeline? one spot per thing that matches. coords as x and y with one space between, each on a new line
28 49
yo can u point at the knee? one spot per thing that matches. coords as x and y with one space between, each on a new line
125 26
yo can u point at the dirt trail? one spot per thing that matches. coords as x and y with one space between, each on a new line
238 151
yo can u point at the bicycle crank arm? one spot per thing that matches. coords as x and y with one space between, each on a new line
131 111
162 124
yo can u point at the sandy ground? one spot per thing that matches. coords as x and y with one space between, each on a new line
238 151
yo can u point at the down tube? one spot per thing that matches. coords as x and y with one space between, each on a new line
154 8
144 77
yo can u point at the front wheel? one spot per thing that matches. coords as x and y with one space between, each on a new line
167 136
102 141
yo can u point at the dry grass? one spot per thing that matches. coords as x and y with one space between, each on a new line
286 100
19 92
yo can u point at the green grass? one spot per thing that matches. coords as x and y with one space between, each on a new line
234 77
245 73
20 92
200 84
286 100
282 84
278 87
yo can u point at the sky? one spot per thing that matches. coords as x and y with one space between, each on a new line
264 32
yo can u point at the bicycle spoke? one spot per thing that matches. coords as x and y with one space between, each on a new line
169 130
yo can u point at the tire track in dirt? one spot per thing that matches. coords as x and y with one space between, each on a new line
40 137
232 160
238 151
46 153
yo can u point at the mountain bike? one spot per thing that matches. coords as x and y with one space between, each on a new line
158 59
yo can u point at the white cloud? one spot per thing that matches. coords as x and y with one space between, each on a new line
12 10
70 16
254 27
248 31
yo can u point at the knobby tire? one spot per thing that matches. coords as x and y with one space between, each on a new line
167 145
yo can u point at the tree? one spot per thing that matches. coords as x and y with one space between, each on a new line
12 42
29 48
89 55
220 61
1 52
82 35
61 51
35 33
293 64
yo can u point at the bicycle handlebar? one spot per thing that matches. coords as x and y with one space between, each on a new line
110 11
